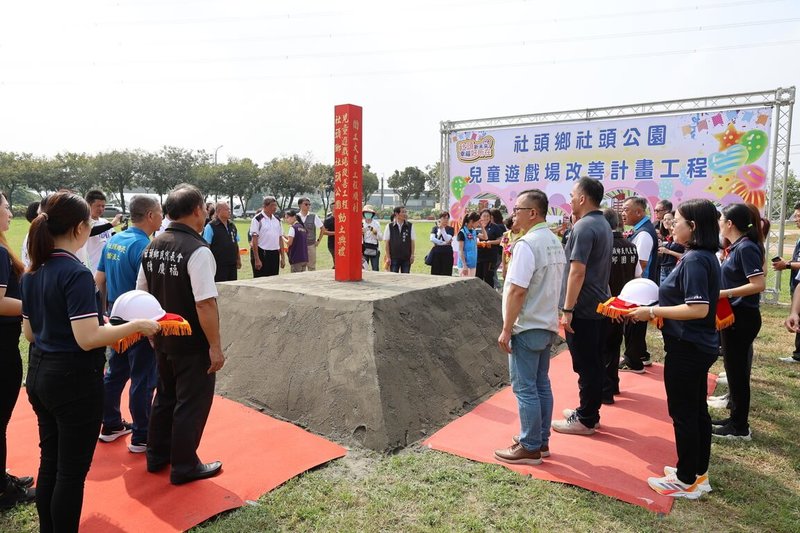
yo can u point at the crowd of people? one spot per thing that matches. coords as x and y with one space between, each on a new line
698 256
73 268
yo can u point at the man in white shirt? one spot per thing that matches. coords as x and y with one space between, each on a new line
371 231
101 230
313 225
530 325
399 238
634 213
267 254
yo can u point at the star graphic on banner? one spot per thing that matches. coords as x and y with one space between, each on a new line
721 185
729 137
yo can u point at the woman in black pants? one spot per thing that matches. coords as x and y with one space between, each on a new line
487 248
687 301
13 490
441 257
742 282
61 317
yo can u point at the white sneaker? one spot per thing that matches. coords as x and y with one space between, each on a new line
673 487
788 360
571 426
702 481
718 402
569 412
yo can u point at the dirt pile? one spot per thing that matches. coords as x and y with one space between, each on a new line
380 363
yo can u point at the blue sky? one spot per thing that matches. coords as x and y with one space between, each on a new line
261 78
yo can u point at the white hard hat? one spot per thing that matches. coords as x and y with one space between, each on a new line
639 291
137 304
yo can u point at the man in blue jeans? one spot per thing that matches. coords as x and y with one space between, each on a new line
530 323
116 274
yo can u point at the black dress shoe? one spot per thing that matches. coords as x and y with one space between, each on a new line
201 471
24 481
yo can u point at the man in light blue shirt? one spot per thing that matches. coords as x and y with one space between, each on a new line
116 274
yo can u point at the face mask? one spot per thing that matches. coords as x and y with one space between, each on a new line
368 216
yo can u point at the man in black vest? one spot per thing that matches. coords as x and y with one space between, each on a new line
313 225
634 213
399 238
624 261
223 238
178 269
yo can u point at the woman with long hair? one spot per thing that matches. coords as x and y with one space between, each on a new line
743 280
13 490
61 317
467 240
687 302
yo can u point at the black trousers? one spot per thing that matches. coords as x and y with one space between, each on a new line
737 353
611 349
636 344
226 273
586 348
685 380
183 400
796 353
66 392
10 382
442 264
270 263
485 270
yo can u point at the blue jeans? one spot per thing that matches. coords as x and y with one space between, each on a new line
529 367
137 363
403 266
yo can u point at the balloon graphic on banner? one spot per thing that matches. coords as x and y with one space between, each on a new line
750 186
728 161
457 185
684 177
665 189
756 142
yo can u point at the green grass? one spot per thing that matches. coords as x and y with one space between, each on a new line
755 484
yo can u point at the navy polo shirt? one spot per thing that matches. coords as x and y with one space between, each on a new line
694 280
745 260
121 259
8 281
60 291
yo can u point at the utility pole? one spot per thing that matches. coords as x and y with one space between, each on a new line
382 193
215 154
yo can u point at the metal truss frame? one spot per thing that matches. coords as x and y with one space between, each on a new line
780 100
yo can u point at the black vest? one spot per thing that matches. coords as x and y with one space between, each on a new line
165 263
623 263
795 257
311 228
400 241
651 271
223 243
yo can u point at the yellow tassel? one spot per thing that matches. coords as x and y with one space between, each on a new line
123 344
725 322
174 328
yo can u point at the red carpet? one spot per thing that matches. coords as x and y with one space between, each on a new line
634 442
258 454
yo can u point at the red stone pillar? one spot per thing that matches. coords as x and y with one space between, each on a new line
347 191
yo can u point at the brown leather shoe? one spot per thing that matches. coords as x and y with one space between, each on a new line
544 450
518 455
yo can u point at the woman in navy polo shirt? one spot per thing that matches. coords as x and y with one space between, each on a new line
687 301
743 280
13 490
61 318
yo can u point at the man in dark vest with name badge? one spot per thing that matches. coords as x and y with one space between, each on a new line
634 213
313 225
223 238
178 269
399 238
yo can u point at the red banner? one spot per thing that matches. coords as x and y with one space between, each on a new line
347 192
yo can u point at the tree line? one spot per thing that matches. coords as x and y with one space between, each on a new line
241 179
